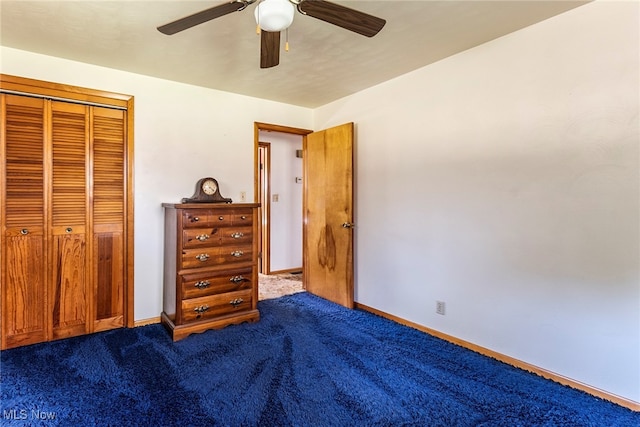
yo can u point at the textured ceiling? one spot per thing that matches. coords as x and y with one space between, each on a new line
324 62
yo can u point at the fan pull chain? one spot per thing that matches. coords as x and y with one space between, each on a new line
258 20
286 44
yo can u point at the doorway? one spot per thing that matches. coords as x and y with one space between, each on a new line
327 208
280 192
263 189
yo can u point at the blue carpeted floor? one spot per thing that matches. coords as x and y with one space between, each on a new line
307 362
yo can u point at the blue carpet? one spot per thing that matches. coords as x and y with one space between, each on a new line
307 362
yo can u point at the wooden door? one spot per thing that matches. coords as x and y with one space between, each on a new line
108 147
23 287
328 214
69 280
264 196
66 212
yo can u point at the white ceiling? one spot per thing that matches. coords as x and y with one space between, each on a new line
324 62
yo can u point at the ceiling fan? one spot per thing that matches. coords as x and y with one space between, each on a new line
273 16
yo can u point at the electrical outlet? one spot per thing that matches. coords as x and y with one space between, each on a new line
275 198
440 307
243 196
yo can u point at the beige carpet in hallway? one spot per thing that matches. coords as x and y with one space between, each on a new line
277 285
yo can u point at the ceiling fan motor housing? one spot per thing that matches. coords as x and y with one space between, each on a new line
274 15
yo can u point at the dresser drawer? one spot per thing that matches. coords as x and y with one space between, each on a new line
236 235
208 307
192 218
205 218
216 255
201 237
242 217
216 282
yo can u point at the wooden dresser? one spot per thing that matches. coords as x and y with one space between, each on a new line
210 266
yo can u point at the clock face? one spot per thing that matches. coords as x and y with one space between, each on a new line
209 187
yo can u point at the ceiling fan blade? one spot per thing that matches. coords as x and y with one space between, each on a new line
349 19
203 16
269 49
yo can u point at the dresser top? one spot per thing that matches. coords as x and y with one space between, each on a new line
209 205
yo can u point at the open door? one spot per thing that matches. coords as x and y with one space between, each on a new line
264 194
328 214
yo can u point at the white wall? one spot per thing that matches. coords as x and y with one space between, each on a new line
182 133
505 182
286 213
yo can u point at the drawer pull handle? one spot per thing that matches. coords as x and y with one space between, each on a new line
237 254
237 235
238 279
236 302
221 218
202 237
243 217
68 230
202 257
200 309
202 284
195 219
24 231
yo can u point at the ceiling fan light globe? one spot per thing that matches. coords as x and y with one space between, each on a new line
274 15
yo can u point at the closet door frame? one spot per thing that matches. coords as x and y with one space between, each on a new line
69 93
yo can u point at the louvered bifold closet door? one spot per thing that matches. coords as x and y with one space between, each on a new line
24 315
66 219
109 195
70 293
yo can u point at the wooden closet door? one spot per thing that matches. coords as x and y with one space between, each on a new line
109 195
24 315
69 281
66 211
